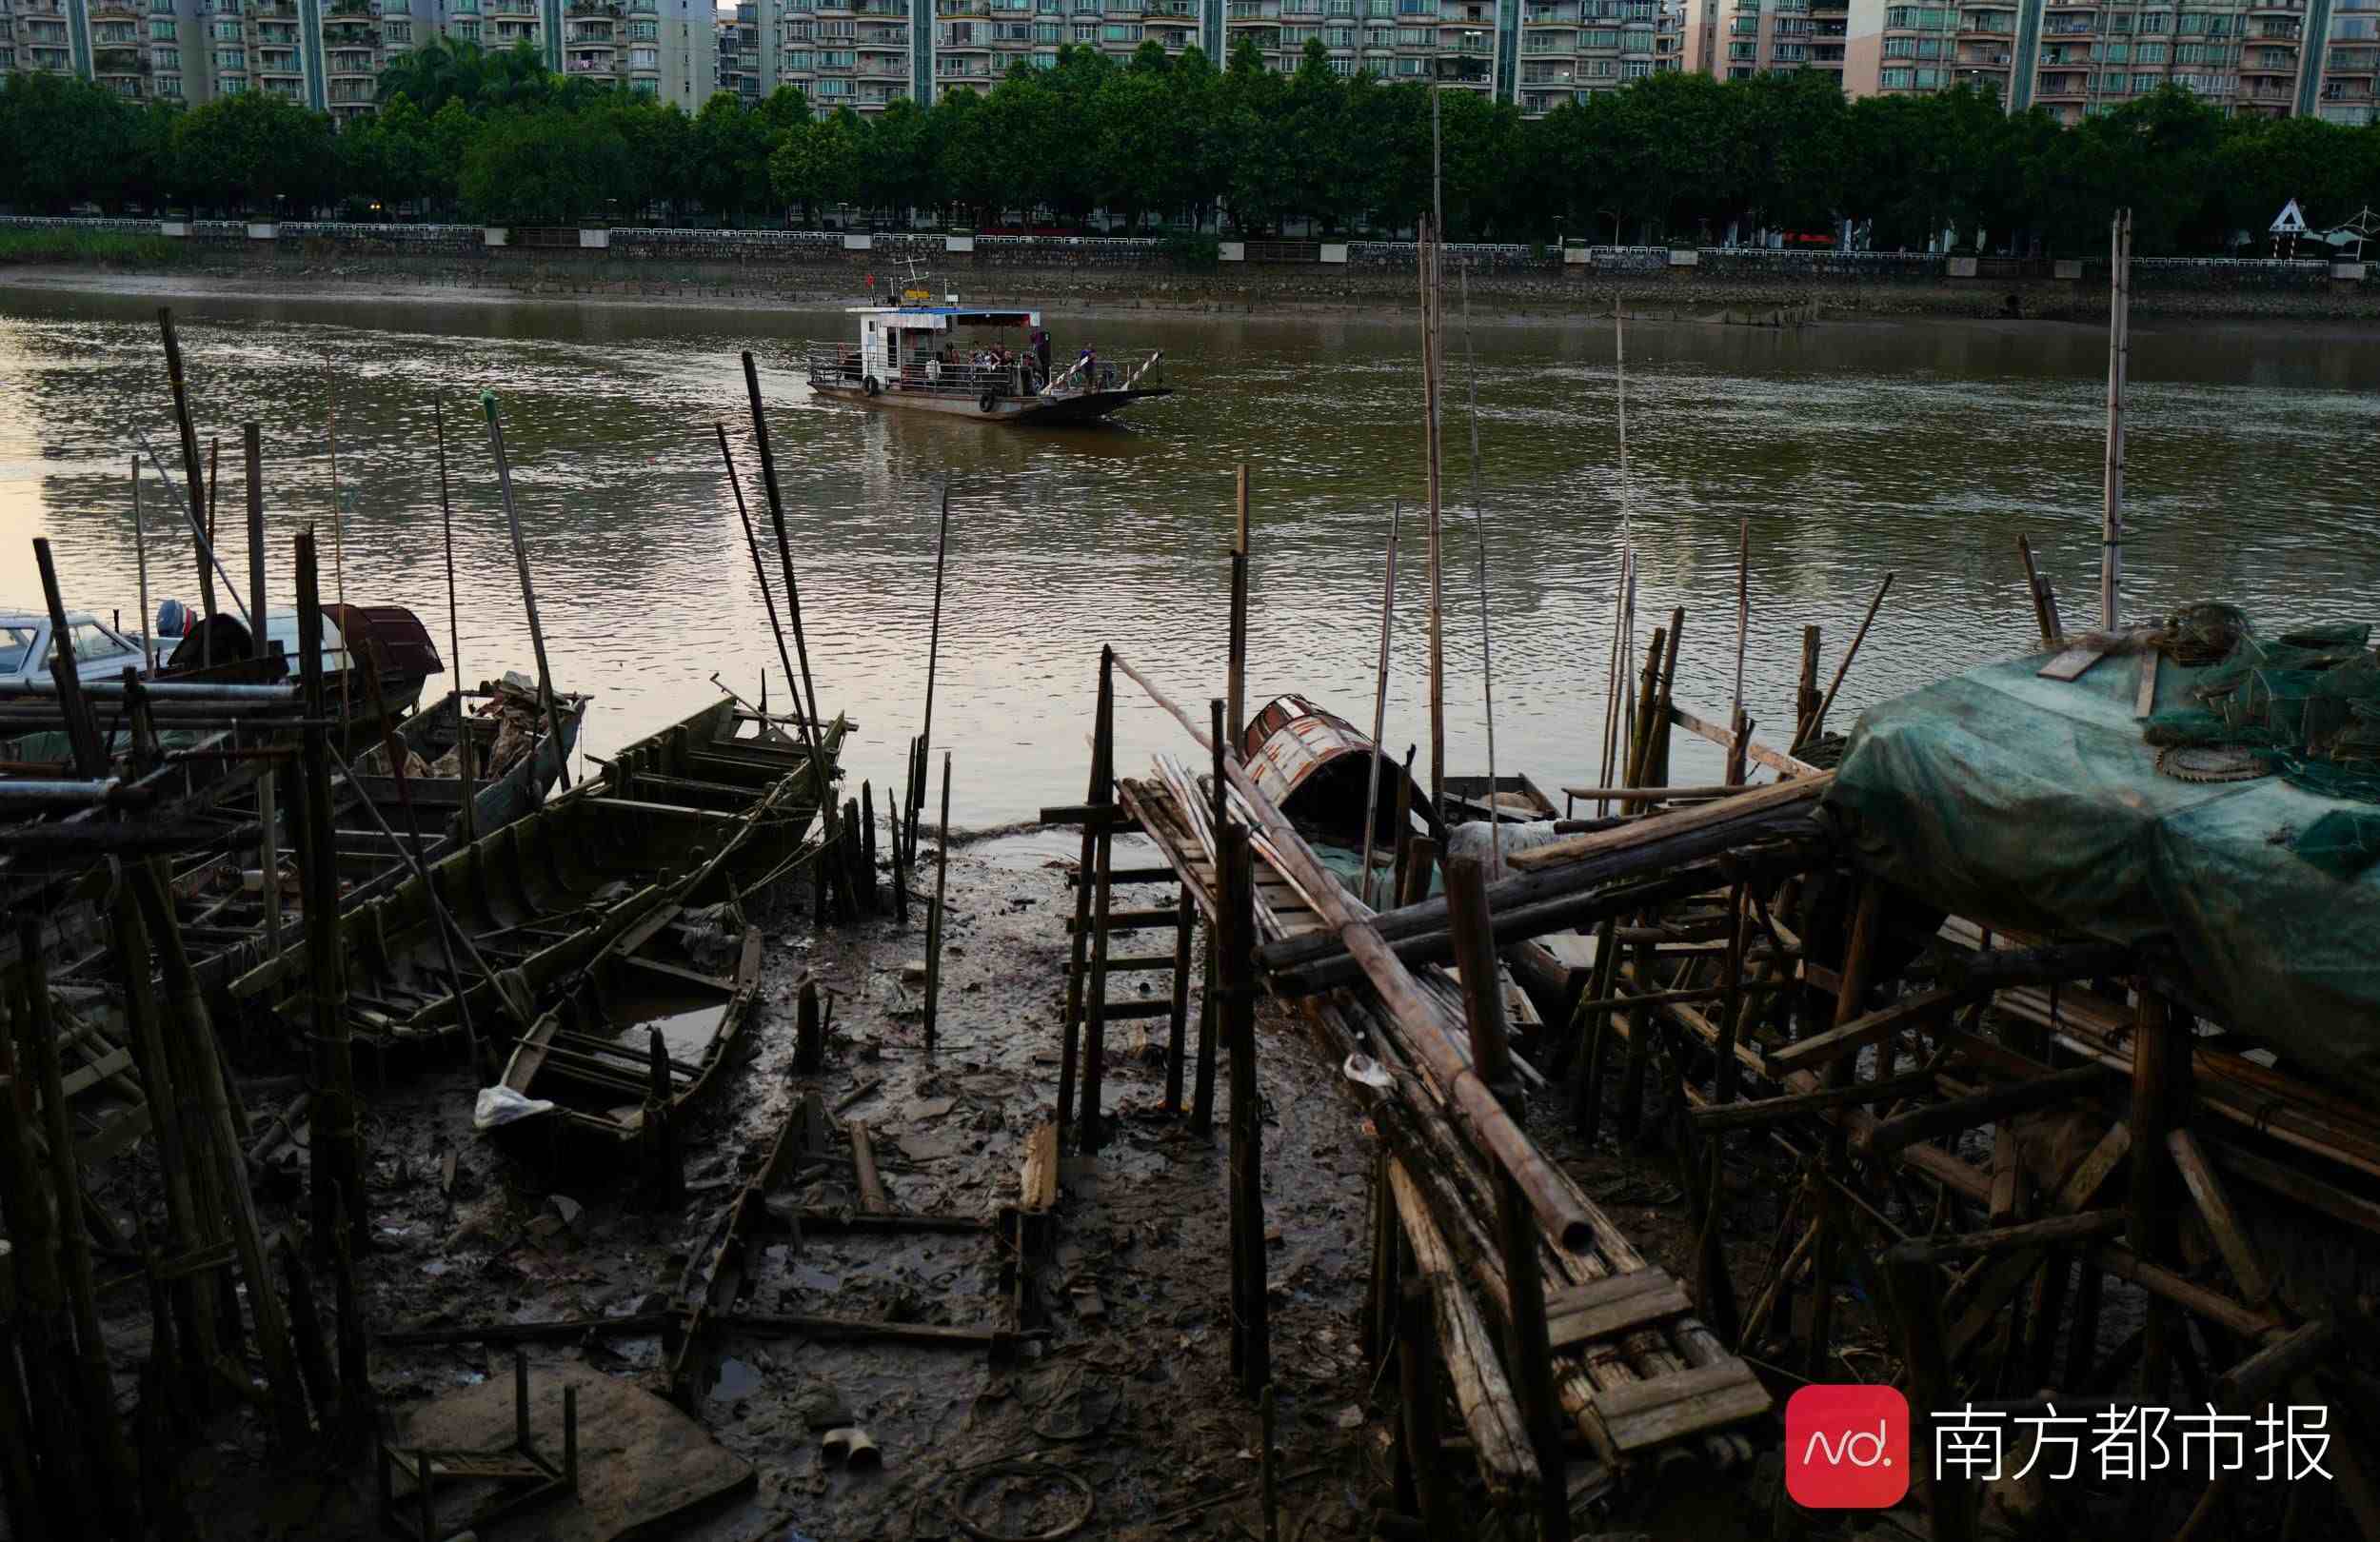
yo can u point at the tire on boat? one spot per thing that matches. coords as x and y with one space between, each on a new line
870 385
988 402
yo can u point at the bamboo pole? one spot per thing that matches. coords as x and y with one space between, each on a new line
1736 722
454 635
1379 702
814 726
528 590
40 1040
941 887
768 601
140 557
189 455
1816 724
1236 680
267 816
1252 1356
2119 352
1434 449
933 659
1479 525
1528 1347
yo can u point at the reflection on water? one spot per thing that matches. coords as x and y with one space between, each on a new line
1852 449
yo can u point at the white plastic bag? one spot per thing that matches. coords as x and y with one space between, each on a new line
502 1105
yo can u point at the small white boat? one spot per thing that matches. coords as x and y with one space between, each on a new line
976 361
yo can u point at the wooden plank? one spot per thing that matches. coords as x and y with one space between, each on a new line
1128 920
1651 1412
1568 1325
107 1065
1037 1182
1823 1048
1747 807
2072 663
1597 1293
2145 702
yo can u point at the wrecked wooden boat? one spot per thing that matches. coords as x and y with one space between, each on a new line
716 807
359 642
1507 800
592 1053
1315 766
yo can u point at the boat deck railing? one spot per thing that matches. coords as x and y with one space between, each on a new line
834 364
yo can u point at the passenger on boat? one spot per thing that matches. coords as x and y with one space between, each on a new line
933 369
1040 354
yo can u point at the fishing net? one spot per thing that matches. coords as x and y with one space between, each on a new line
2311 697
2342 842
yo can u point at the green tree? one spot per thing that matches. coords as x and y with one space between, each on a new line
62 140
257 151
817 164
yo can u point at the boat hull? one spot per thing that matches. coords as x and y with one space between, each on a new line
1088 407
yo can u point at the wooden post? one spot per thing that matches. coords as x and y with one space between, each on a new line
2119 352
305 1322
1094 1000
1816 724
935 929
1419 1395
41 1325
1593 1019
528 595
268 853
1203 1087
872 1197
2044 598
1421 869
1648 698
809 1039
1658 769
40 1037
1858 959
867 845
1252 1356
1528 1350
2160 1067
899 870
1402 830
1913 1289
1098 802
1235 680
665 1174
1178 1014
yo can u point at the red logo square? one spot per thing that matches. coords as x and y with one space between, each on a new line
1847 1447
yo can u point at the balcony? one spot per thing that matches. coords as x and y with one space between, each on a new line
594 7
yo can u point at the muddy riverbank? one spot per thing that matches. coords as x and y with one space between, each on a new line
1130 1390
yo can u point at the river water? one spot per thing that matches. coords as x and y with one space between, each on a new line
1854 451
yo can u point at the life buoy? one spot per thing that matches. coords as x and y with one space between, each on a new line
870 385
988 402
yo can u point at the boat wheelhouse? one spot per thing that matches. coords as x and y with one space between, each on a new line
975 361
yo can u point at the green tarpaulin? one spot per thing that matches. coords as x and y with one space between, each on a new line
2033 805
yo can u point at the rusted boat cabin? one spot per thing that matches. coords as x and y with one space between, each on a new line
1315 766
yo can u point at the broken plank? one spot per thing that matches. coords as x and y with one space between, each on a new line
2214 1208
561 1330
829 1218
1651 1412
1037 1182
1578 1317
2072 663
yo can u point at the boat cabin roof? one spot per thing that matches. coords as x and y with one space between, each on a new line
942 317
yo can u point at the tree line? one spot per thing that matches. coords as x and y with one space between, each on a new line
1158 141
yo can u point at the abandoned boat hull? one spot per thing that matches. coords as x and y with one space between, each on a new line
591 1057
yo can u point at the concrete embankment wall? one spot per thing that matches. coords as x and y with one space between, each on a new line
791 268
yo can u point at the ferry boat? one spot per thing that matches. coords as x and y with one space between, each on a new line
977 362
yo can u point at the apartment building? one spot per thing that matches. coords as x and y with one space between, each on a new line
2315 58
1568 48
328 54
1739 39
